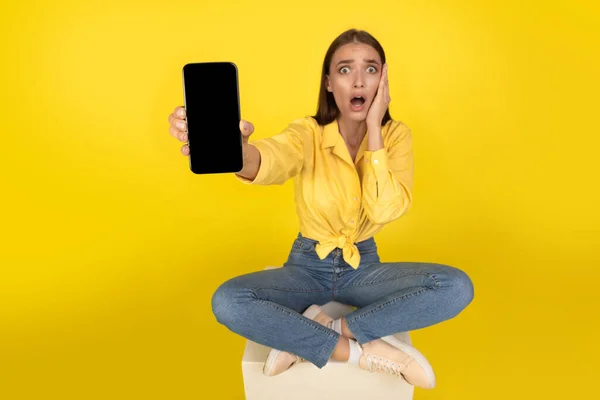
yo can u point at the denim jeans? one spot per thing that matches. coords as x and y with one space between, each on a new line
390 297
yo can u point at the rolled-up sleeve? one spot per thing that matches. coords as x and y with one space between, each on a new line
388 177
282 155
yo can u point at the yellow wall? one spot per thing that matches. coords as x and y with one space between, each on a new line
112 248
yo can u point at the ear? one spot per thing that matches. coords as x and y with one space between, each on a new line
328 84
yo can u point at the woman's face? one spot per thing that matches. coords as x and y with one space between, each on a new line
355 70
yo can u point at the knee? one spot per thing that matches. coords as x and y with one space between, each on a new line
460 287
465 287
227 303
219 301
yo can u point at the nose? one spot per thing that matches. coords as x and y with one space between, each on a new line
358 83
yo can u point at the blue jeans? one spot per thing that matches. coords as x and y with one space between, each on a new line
266 306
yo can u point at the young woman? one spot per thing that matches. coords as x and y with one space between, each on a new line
352 167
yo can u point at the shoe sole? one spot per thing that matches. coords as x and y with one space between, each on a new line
273 354
416 355
310 313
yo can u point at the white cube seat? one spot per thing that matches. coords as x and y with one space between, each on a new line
304 381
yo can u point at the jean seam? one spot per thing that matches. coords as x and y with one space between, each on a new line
287 290
333 282
367 253
325 353
301 252
312 324
356 332
304 250
390 301
435 281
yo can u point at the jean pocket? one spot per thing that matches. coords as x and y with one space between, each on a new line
302 247
367 252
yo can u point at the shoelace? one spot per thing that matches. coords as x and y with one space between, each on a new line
375 363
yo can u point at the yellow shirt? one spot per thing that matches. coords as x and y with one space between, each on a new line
339 202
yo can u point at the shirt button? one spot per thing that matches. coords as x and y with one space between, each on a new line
355 198
351 221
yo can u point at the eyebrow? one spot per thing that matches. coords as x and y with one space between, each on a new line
350 61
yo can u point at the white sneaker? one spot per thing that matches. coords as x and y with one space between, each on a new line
279 361
394 356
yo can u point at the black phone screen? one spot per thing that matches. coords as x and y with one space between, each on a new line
211 98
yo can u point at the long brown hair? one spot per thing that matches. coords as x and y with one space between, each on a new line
327 109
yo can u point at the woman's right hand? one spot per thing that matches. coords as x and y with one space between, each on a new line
178 129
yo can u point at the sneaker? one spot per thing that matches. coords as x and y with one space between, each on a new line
394 356
279 361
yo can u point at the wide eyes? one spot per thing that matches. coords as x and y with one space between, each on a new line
372 68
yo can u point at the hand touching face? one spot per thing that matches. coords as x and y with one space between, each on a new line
354 78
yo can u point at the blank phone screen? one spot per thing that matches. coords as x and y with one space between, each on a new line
211 97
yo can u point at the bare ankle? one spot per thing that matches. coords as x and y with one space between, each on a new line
342 350
345 330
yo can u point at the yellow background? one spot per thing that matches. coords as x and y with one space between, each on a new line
112 248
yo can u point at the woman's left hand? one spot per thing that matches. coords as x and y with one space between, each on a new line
381 102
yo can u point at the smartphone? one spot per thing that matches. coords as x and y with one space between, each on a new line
212 106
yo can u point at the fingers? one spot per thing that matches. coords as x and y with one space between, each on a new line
178 134
178 128
180 112
185 150
246 127
181 125
386 84
178 124
386 76
381 94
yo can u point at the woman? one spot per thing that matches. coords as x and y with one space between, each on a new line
352 167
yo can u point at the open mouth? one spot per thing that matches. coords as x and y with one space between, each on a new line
357 103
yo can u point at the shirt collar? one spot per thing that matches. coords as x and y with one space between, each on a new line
333 138
331 134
